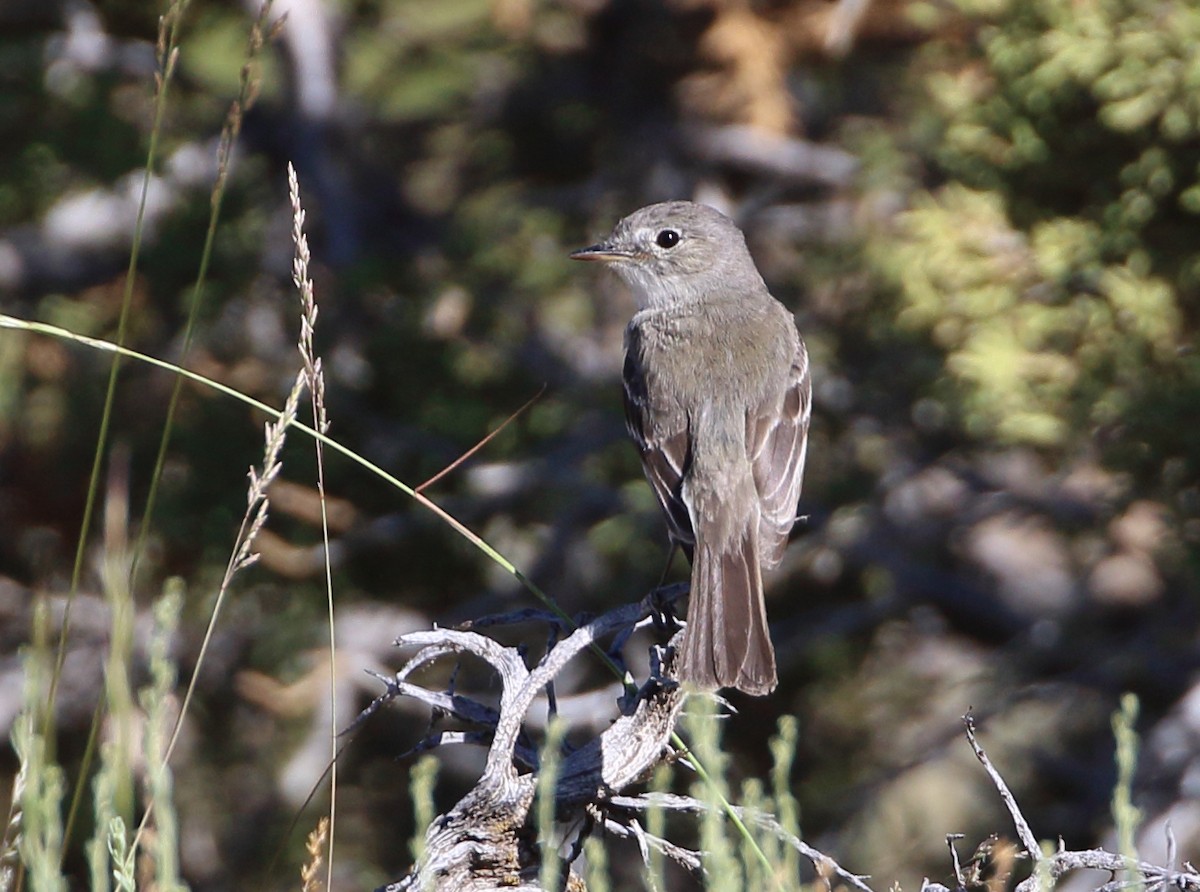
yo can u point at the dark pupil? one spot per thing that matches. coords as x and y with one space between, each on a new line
668 238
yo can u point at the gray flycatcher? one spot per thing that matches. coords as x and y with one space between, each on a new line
718 400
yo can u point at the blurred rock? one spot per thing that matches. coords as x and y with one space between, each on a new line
1142 528
1125 580
1029 561
932 494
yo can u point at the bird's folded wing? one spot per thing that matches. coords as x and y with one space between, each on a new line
665 448
777 441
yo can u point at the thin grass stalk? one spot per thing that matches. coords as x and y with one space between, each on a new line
118 687
656 825
1126 815
40 833
597 877
167 52
783 755
85 768
157 702
422 778
56 331
722 868
247 90
754 799
97 848
722 800
168 55
118 693
315 378
495 432
1043 868
242 554
550 874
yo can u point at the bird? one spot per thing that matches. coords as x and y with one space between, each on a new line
718 399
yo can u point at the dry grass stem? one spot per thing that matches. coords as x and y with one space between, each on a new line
314 376
243 554
483 442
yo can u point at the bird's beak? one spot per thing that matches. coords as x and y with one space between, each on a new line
605 252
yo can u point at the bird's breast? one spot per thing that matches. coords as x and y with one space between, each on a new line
713 358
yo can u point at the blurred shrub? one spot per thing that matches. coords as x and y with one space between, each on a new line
1057 267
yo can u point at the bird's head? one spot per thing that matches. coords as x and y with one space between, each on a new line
677 251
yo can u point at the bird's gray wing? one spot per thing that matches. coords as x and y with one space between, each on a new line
777 442
663 441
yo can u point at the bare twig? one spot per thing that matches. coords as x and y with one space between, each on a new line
1024 833
790 158
762 820
483 442
1152 877
951 839
647 841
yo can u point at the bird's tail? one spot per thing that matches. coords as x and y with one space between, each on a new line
726 644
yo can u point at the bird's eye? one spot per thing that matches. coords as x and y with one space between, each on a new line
668 238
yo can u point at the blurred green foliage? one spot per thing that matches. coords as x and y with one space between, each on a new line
1056 265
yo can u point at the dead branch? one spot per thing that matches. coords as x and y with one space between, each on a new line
1047 869
1024 833
487 840
752 817
760 151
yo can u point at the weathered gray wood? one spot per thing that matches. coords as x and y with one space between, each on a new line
487 840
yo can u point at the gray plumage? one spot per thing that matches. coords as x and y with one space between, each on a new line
717 399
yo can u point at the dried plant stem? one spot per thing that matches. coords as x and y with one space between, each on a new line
487 840
1024 833
1049 867
314 376
242 555
1126 816
247 88
168 54
487 439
